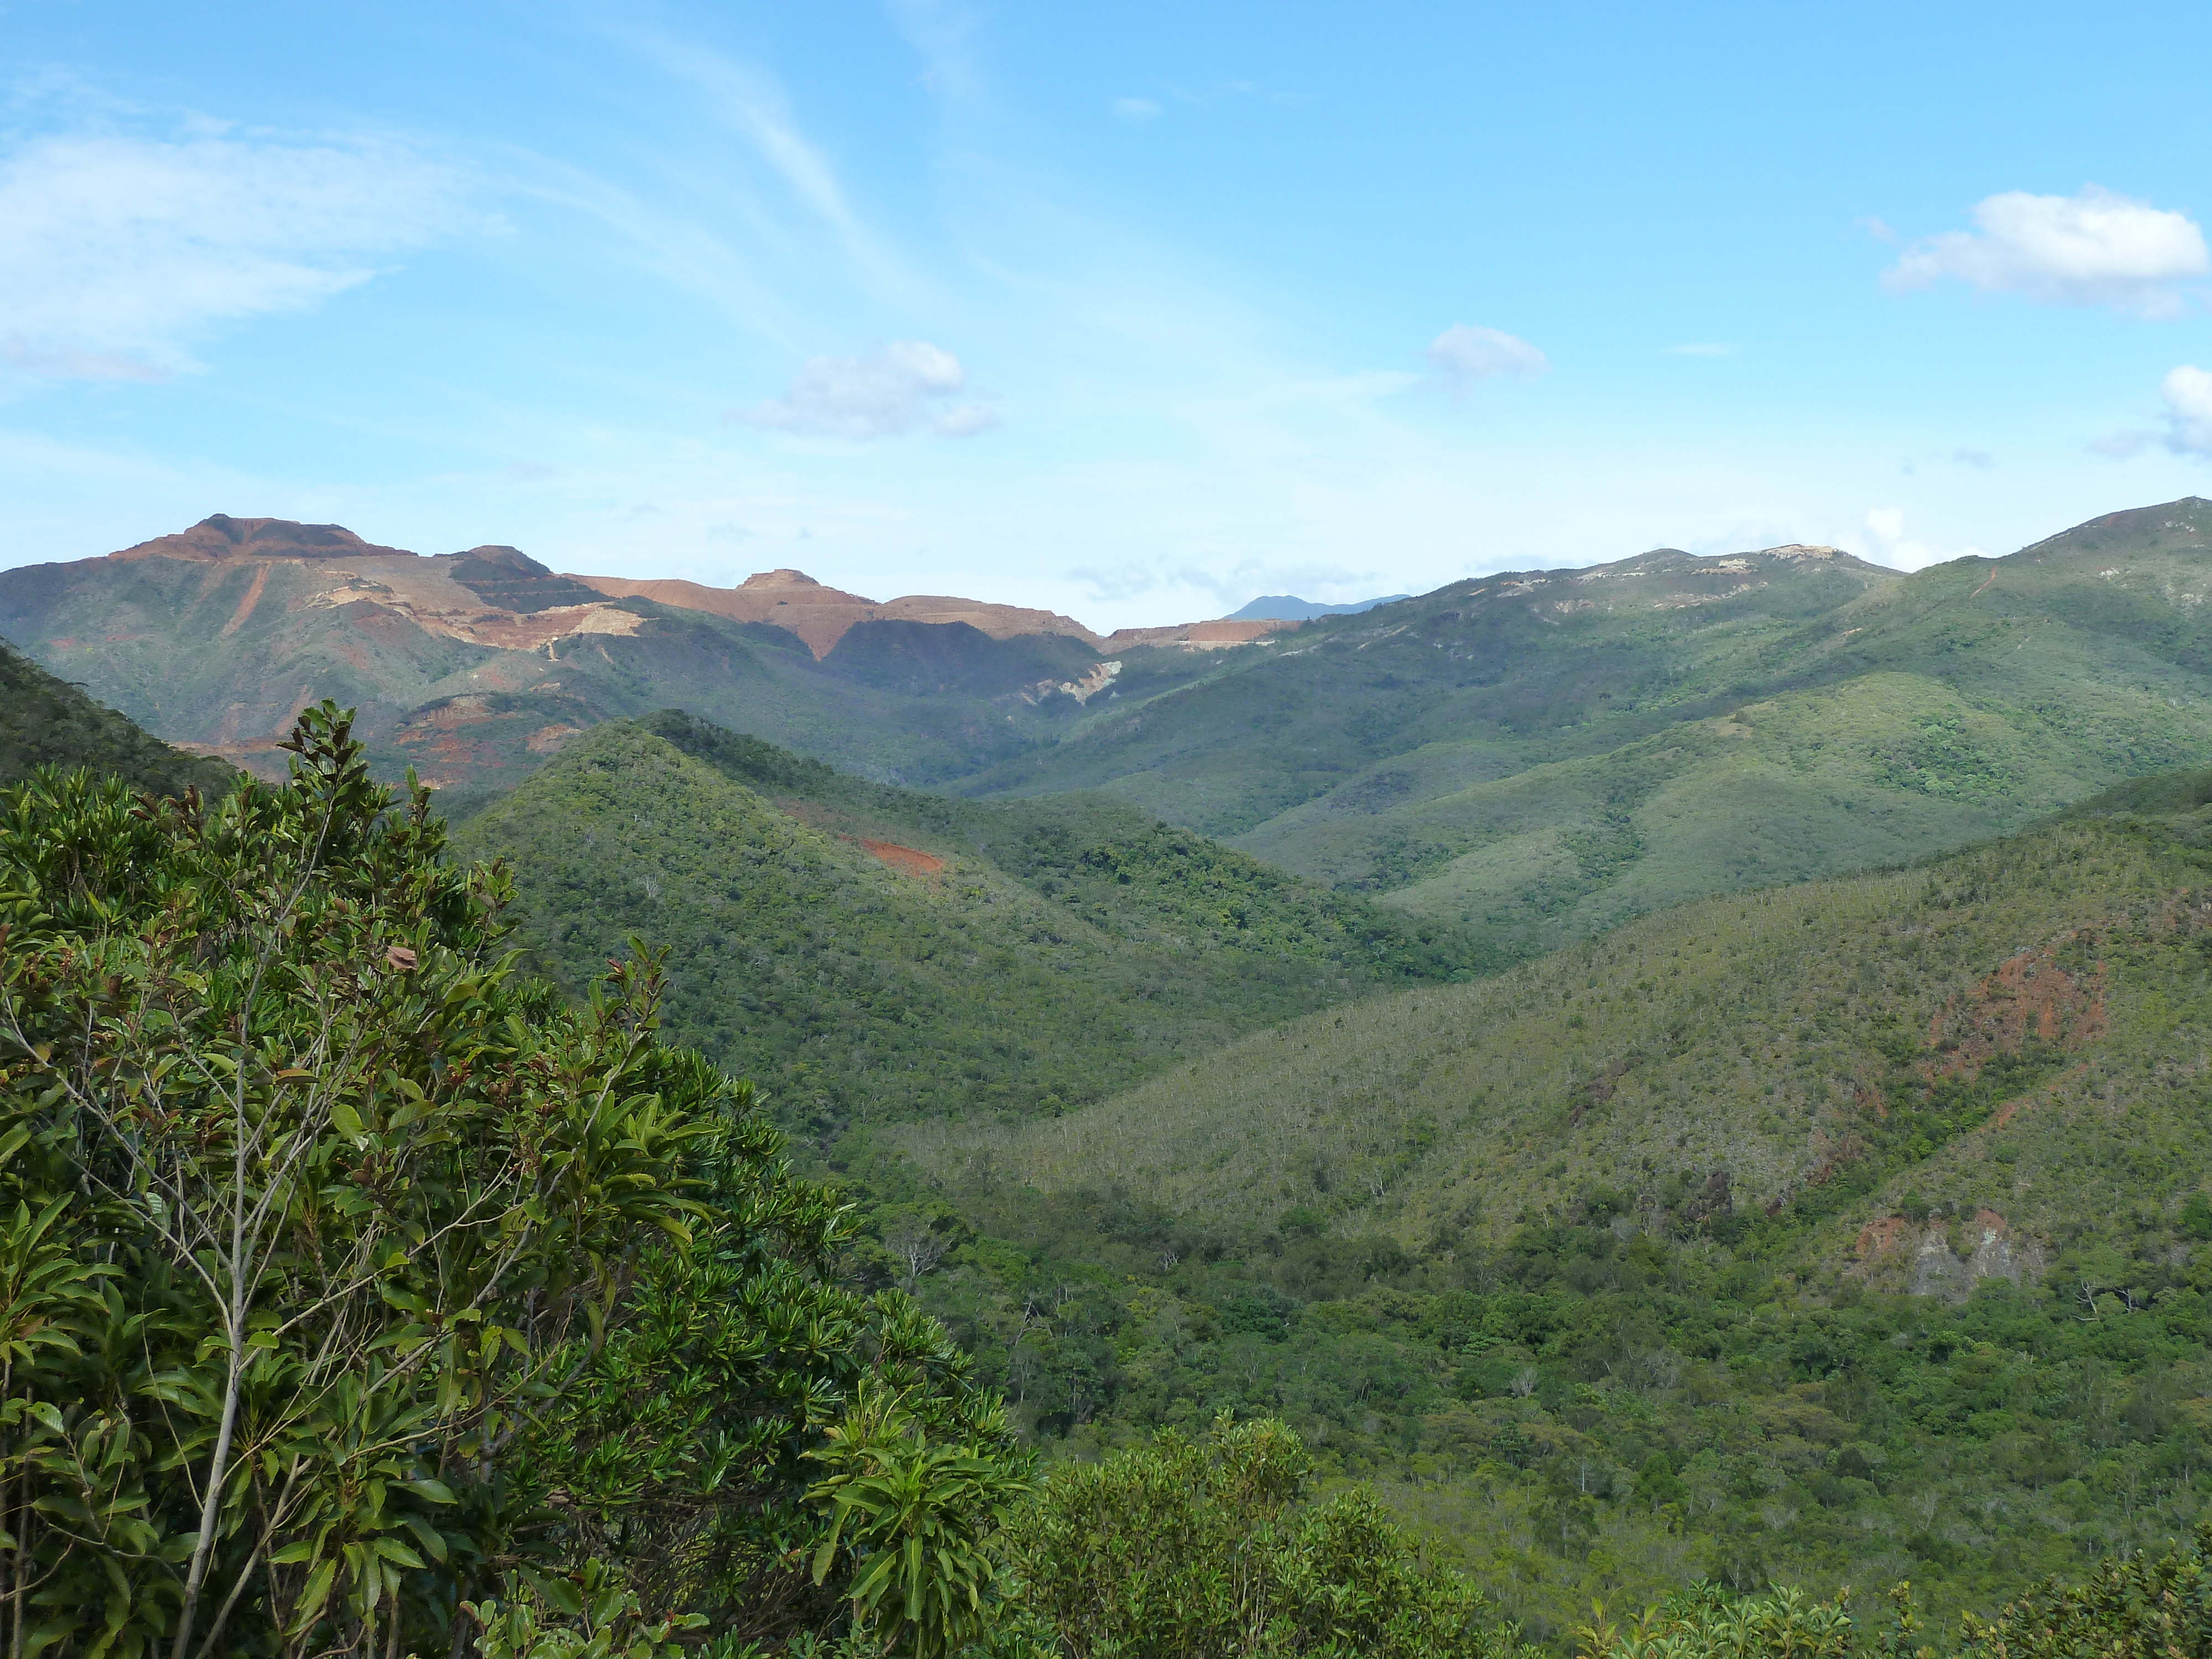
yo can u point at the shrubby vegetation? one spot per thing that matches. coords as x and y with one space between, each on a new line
46 721
1578 1415
1817 1043
359 1295
1604 1270
1062 950
2133 1606
1195 1547
347 1275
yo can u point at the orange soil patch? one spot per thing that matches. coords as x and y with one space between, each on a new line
547 739
1887 1234
907 861
246 606
2030 996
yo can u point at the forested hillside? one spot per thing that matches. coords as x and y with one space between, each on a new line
1811 1040
45 721
1836 1234
476 1323
1542 754
1832 1235
865 953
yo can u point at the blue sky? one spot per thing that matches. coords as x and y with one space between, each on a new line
1132 311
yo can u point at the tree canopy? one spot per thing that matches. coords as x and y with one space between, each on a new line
348 1277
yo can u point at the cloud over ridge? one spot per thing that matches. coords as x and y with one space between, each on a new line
2095 248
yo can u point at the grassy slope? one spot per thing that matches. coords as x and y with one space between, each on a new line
1065 949
1788 1037
45 721
1539 773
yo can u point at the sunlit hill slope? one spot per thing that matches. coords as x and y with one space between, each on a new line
2008 1040
1544 754
862 951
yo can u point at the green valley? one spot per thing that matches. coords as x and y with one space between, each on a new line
1777 1224
1838 1234
865 951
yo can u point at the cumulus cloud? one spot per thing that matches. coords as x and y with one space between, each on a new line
2188 393
1463 355
884 393
120 252
1885 528
2093 248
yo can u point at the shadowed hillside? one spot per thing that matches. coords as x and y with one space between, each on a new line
45 721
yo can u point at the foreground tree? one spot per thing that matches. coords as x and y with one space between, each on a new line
1206 1549
348 1277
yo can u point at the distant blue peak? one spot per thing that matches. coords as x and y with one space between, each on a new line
1284 607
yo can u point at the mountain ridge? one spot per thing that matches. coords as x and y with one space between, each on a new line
1288 607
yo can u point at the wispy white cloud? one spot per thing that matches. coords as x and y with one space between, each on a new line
1702 349
751 103
947 36
2120 446
68 365
2092 248
121 252
1462 356
1885 528
1136 109
882 393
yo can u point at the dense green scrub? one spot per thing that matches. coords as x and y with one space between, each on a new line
1836 1235
1594 1411
985 959
1974 1030
352 1287
45 721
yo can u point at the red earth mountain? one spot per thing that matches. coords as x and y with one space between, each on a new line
473 665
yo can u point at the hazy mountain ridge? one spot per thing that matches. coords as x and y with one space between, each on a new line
1536 756
474 666
1542 754
1288 607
